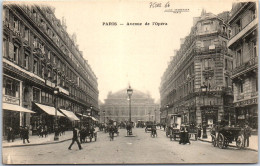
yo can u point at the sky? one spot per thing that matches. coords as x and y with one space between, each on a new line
137 55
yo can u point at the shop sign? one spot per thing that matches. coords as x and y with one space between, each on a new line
11 100
49 83
63 90
246 102
241 117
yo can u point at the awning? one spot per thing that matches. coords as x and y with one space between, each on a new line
83 115
12 107
48 109
93 118
69 114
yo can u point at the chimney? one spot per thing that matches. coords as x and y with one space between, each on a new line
74 38
182 41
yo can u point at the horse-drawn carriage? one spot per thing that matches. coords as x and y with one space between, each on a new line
222 136
148 126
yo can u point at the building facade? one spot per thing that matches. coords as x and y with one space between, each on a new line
244 46
196 83
39 56
116 107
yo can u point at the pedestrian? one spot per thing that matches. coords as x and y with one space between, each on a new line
10 134
182 135
186 135
247 134
75 138
25 135
45 131
199 131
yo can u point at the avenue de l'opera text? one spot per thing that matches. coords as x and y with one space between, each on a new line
134 24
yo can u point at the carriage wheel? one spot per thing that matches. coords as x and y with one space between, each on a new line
213 140
221 141
239 141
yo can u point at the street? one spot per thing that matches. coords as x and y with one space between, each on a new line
140 149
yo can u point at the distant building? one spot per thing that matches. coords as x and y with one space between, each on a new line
196 83
244 45
116 107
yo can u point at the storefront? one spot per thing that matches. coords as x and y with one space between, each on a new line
209 115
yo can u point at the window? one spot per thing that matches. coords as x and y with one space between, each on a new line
42 71
36 95
254 49
16 53
35 66
226 81
49 55
226 64
239 57
43 97
11 87
16 24
26 60
5 47
241 87
26 34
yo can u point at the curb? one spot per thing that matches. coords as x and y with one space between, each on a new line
46 143
230 145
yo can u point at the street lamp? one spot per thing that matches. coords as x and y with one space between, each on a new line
129 92
104 116
56 131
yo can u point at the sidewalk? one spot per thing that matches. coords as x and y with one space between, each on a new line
253 142
35 140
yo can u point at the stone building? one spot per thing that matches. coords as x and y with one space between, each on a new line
39 56
244 45
116 107
196 83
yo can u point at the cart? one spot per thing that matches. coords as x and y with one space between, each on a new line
225 135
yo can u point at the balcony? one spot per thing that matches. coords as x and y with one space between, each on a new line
252 62
240 97
242 32
254 94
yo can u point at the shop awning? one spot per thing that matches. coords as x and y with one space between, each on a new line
83 115
48 109
12 107
69 114
93 118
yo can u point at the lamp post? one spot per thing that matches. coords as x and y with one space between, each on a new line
104 116
56 132
129 92
204 125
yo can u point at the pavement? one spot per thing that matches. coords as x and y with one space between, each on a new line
36 140
142 149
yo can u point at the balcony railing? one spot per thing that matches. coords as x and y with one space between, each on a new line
246 65
240 97
254 94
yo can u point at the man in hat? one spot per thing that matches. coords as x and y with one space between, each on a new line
75 138
247 134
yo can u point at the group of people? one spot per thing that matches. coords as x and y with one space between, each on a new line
86 131
23 132
184 135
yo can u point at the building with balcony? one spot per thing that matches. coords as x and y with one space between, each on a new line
244 46
196 83
116 107
38 57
